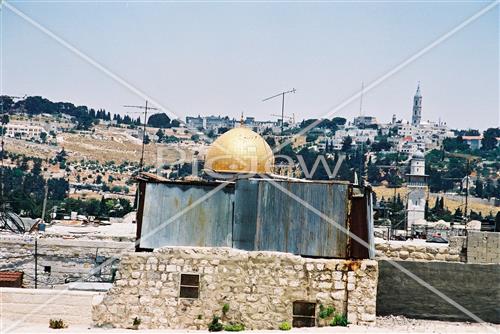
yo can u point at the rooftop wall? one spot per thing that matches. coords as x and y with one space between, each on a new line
473 286
69 259
421 251
483 247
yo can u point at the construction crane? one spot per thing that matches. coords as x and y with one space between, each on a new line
282 104
145 109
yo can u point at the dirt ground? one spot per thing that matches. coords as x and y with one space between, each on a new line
390 325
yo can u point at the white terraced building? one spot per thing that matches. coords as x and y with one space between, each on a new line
24 131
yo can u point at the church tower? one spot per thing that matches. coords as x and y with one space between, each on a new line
417 107
417 188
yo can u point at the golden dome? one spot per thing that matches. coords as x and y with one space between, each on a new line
240 150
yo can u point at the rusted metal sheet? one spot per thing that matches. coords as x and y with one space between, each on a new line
245 214
179 214
358 227
11 279
281 222
304 218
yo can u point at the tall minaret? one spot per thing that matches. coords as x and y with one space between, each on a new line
417 189
417 107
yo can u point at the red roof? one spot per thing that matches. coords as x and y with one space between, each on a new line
472 137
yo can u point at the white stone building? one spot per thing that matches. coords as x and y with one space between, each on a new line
24 131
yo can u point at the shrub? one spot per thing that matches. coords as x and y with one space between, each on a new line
57 324
225 308
285 326
215 325
325 312
236 327
339 320
136 322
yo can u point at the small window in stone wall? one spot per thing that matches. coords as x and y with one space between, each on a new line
190 286
304 314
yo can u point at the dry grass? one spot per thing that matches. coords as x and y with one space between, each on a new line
451 204
103 145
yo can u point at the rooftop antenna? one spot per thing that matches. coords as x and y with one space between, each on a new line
361 99
282 104
145 111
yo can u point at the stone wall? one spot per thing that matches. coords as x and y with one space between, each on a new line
483 247
41 305
412 251
260 288
69 259
473 286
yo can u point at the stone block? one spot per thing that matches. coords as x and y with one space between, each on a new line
418 255
403 255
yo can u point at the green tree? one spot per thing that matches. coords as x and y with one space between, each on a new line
160 135
479 188
160 120
455 144
489 141
346 144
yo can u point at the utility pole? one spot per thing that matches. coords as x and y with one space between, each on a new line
145 108
282 105
36 261
45 200
467 190
468 158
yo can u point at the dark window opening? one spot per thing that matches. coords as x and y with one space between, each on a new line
47 269
304 314
190 286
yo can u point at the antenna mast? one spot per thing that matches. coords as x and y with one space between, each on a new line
145 108
282 104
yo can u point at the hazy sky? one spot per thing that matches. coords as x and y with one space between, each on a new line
224 58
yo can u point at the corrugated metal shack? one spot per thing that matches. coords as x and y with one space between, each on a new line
301 217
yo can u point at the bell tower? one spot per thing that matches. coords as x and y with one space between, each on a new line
417 108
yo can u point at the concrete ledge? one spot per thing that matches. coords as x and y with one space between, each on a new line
41 305
58 241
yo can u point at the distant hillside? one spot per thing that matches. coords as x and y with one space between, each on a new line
83 116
